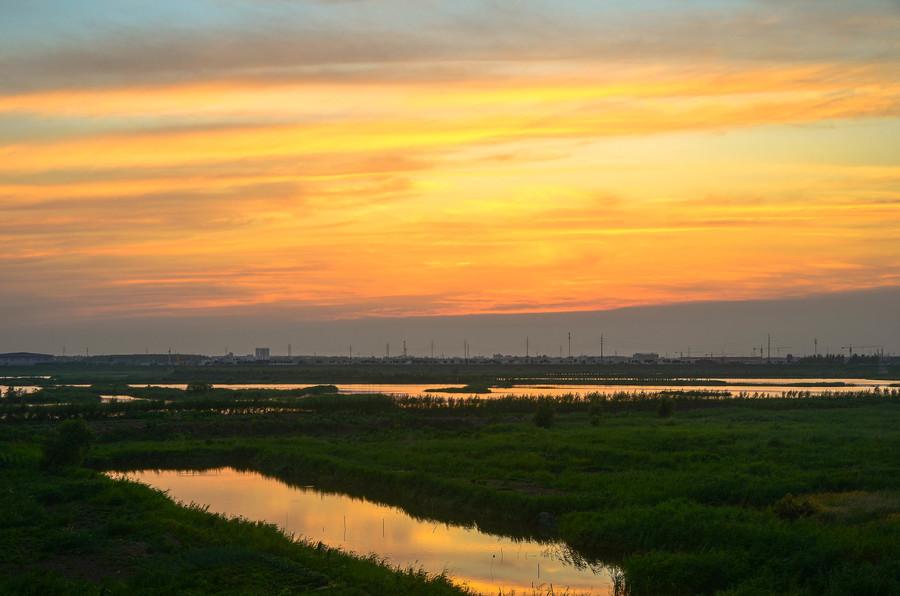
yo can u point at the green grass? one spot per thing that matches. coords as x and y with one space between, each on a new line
796 496
78 532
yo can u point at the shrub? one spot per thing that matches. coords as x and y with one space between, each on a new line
791 507
543 416
665 408
68 446
198 387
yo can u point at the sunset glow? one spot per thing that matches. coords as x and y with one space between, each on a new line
336 159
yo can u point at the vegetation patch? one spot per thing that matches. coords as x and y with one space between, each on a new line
740 496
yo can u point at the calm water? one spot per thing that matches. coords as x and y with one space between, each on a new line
734 386
119 398
765 387
21 388
484 562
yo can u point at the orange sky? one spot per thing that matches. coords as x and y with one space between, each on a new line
502 178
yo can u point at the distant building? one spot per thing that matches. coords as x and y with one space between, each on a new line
262 354
24 359
645 358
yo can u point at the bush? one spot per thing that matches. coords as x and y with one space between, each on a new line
665 408
543 416
68 446
198 388
791 507
707 572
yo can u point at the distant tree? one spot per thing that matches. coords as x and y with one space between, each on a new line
68 446
199 387
544 415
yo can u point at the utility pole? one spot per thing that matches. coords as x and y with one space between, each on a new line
387 350
570 344
816 346
351 351
404 348
527 347
769 347
432 349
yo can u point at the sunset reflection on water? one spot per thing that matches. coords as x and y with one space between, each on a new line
484 562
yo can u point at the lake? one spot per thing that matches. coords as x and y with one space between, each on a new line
735 386
485 562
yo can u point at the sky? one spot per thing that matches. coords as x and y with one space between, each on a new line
210 164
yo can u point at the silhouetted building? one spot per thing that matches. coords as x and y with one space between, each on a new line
24 359
645 357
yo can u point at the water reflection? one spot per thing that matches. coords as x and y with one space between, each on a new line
119 398
732 386
484 562
21 389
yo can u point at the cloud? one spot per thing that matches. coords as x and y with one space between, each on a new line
430 44
447 159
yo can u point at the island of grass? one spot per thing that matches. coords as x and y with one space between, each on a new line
471 389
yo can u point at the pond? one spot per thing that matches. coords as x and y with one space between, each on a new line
484 562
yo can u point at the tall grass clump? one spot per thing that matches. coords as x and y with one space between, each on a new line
68 445
666 408
544 414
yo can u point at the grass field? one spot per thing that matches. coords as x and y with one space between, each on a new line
794 496
75 531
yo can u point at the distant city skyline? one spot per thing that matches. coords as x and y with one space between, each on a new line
869 320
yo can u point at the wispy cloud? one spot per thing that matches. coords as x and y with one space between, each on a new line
348 159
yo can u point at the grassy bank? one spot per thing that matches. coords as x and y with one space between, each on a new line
74 531
797 496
